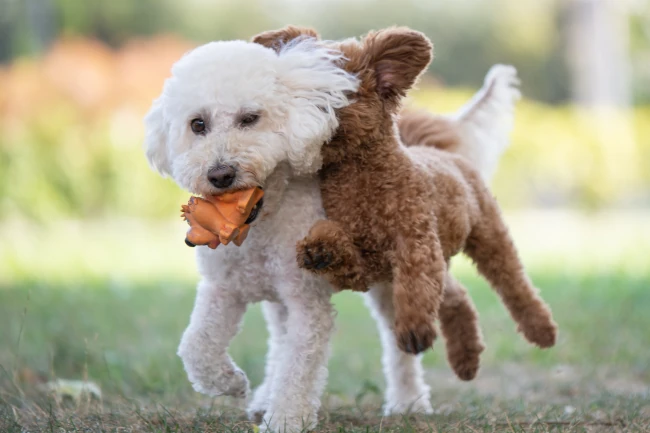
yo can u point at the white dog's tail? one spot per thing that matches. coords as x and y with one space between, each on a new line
485 122
480 130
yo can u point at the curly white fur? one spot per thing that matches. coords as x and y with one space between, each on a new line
295 92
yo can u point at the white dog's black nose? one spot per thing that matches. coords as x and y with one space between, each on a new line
221 176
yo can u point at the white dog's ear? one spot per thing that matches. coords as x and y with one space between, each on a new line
317 85
156 138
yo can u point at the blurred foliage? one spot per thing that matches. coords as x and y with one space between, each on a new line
567 156
72 130
470 35
71 139
639 43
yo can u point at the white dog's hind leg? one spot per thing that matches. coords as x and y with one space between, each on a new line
406 390
301 370
276 316
214 322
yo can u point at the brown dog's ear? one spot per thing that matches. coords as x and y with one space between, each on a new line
276 39
398 56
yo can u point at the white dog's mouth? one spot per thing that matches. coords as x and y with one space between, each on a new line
255 212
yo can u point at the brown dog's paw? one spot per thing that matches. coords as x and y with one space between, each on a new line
467 366
539 329
464 350
415 338
316 255
543 336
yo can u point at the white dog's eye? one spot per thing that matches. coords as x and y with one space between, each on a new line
198 126
248 119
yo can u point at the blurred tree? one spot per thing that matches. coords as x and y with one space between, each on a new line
114 22
469 35
39 15
640 49
598 51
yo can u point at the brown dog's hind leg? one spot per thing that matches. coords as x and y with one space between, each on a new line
329 251
459 325
490 246
418 283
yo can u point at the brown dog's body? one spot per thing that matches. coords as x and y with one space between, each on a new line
399 214
375 195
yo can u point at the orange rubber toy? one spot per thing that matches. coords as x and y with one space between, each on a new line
220 218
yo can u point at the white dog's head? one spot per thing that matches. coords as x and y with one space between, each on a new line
232 111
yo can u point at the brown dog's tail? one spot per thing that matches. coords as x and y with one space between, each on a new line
480 130
421 128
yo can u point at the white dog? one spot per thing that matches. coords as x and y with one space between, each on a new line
236 115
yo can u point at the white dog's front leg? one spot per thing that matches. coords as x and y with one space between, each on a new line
276 317
215 320
301 369
406 390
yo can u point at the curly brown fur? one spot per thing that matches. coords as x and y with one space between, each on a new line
459 325
426 129
428 185
414 207
490 246
353 256
330 251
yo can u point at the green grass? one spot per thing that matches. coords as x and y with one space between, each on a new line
113 313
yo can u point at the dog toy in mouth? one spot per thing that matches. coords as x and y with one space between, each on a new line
221 218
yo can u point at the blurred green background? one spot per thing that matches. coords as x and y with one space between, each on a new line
95 281
78 76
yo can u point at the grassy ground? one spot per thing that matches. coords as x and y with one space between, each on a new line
113 313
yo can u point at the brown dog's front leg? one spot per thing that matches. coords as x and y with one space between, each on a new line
418 283
329 251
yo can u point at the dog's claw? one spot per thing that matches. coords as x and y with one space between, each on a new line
417 343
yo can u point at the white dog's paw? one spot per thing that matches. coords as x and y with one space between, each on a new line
208 374
422 406
286 425
227 381
259 404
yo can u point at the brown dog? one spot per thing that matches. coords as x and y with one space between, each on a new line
458 316
414 208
